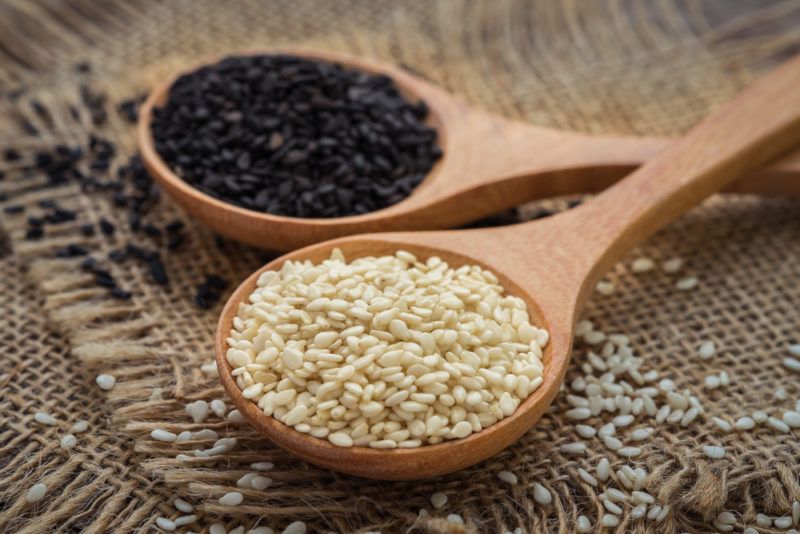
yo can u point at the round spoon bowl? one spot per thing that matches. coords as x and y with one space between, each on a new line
278 232
395 464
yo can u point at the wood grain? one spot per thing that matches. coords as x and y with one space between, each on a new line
552 264
489 164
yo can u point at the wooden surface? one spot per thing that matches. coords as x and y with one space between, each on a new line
552 264
489 164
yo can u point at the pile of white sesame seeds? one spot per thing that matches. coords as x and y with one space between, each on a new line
385 352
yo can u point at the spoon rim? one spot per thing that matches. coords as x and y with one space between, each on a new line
328 455
410 86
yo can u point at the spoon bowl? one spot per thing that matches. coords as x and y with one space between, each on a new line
489 164
401 464
552 264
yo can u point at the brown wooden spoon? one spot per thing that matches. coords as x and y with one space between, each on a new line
552 264
489 164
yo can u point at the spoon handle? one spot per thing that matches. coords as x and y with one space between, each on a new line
760 124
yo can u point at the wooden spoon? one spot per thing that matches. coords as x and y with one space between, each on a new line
553 264
489 164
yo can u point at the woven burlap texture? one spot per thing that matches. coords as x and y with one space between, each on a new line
591 66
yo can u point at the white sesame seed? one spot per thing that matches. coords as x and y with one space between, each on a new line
298 527
595 337
609 520
690 415
653 512
235 416
507 476
106 382
573 448
611 507
185 520
438 500
616 495
792 364
583 525
607 429
455 518
621 421
721 424
629 452
260 483
605 288
642 497
662 514
45 419
36 493
781 394
726 518
714 452
217 528
750 530
639 511
244 481
586 477
642 265
612 443
541 494
707 350
197 410
763 520
603 469
794 350
262 466
760 417
210 368
792 419
578 413
165 524
778 425
260 530
744 423
68 441
79 426
585 431
182 506
686 284
160 434
186 435
232 498
641 434
218 407
796 512
711 381
205 433
672 265
782 522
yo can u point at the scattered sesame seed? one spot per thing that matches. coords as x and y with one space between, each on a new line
260 483
217 528
609 520
36 493
541 494
573 448
298 527
721 424
672 265
642 265
163 435
616 495
792 419
507 476
686 284
782 522
629 452
760 417
639 511
187 519
611 507
583 524
45 419
605 288
232 498
182 506
438 500
165 524
792 364
726 518
80 426
455 518
714 452
707 350
744 423
68 441
781 394
235 416
653 512
205 433
262 466
778 425
218 407
210 368
586 477
197 410
763 520
794 350
106 382
603 469
585 431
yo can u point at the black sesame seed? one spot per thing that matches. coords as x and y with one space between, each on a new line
174 227
151 230
119 293
106 226
104 279
175 242
157 271
71 251
16 208
118 255
87 230
35 232
11 154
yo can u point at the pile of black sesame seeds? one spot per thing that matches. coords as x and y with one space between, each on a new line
128 187
295 137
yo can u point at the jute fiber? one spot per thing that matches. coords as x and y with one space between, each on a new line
625 67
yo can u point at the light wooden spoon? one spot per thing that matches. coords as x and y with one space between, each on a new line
489 164
552 264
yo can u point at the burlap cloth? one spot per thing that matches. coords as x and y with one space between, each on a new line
628 67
